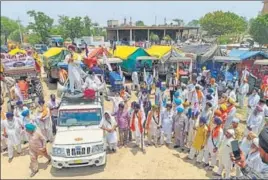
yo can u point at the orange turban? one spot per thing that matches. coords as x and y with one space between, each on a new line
212 80
218 113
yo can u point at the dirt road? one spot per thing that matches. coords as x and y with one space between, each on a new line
127 163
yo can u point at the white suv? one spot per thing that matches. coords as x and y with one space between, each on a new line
79 140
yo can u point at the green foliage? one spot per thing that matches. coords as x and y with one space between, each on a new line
71 27
180 22
193 23
34 39
42 24
7 27
140 23
224 40
87 29
219 23
167 38
15 36
259 29
154 37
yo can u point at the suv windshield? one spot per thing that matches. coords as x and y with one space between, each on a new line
83 117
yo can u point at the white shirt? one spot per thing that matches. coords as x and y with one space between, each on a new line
135 78
253 100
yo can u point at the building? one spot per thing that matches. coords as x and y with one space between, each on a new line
265 7
128 32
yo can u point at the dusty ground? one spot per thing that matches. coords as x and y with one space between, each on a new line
160 163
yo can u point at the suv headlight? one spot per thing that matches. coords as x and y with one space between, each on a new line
58 151
98 148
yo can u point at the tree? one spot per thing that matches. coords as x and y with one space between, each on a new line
7 27
193 23
71 27
33 39
167 38
140 23
154 37
15 36
259 29
42 24
87 30
220 23
180 22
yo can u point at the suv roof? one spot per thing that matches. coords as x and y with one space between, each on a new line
80 101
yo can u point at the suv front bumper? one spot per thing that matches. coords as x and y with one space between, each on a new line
62 162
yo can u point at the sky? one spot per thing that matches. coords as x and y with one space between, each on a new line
101 11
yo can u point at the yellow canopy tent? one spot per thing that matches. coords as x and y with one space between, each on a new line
129 55
53 52
159 51
123 52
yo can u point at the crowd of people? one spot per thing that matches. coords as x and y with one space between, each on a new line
201 122
196 118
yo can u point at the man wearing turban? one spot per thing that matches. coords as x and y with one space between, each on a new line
12 134
37 147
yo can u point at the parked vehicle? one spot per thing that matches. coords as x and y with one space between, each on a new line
40 48
79 140
23 71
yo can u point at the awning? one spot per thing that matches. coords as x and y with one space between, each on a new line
261 62
111 60
179 59
226 59
147 58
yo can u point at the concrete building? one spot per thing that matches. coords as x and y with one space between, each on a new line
128 32
265 7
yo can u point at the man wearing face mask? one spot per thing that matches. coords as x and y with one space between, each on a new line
93 82
12 133
53 106
247 171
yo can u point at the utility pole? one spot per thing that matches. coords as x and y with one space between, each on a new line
155 20
20 30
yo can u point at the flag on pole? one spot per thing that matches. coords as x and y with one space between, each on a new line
105 59
154 72
216 98
191 66
144 75
178 71
120 72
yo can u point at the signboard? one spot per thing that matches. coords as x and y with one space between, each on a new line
17 62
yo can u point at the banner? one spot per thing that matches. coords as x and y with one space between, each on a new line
17 62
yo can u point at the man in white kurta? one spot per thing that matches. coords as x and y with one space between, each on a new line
180 126
224 154
167 122
116 100
231 114
243 91
93 82
12 131
245 74
213 144
253 100
254 121
231 93
109 125
135 80
19 108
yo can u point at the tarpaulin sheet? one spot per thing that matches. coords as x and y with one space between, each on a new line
244 54
159 51
53 52
17 50
123 52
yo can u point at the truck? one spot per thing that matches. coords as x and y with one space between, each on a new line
23 71
79 140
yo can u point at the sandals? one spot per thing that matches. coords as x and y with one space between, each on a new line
33 173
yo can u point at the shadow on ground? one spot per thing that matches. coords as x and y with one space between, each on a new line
78 171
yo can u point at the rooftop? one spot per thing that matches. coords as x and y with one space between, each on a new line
161 27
